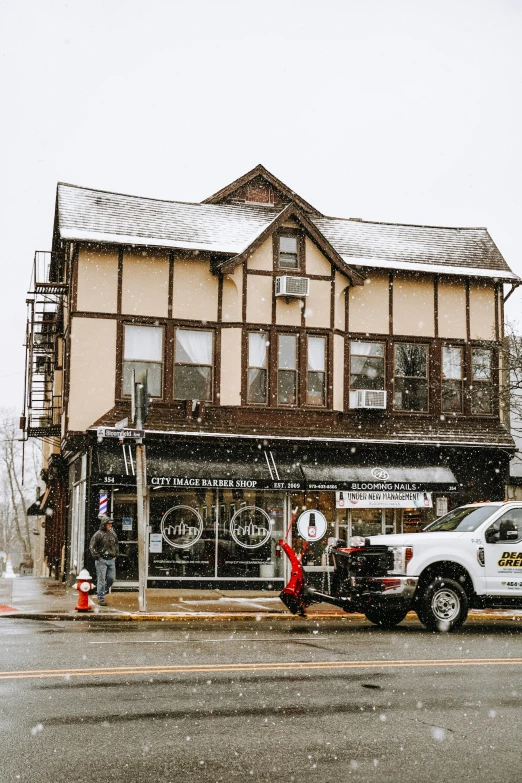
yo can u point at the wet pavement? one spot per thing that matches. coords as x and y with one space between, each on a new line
306 700
39 598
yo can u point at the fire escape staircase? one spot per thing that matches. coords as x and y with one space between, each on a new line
43 401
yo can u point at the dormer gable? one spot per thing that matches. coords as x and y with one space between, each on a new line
292 217
259 187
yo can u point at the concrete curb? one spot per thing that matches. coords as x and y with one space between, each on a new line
221 616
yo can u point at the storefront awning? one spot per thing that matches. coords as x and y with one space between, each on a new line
195 466
187 466
353 478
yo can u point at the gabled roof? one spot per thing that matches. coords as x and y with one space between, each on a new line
292 212
260 171
98 216
229 229
396 246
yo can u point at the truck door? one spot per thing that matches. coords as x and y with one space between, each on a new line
503 554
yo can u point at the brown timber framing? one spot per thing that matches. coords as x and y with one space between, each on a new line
288 213
260 171
311 415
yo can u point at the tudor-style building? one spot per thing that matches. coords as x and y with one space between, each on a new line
294 361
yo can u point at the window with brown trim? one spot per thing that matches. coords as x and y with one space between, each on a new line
481 388
193 364
257 380
288 249
143 352
287 368
367 367
411 377
316 370
452 377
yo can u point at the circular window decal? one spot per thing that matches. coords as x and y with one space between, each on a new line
181 526
312 525
251 527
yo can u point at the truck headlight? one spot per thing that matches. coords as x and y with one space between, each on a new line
401 557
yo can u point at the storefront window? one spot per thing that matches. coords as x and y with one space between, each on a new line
367 522
250 525
216 534
313 553
182 540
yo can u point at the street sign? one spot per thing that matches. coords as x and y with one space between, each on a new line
121 425
110 432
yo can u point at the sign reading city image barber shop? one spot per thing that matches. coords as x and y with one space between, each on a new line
383 500
178 482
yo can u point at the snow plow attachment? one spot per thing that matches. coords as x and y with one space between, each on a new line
293 594
297 595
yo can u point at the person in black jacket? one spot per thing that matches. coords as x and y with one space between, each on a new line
105 549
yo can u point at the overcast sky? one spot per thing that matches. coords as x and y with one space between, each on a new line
395 110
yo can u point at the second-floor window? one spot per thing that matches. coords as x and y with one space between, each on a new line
316 371
143 352
366 365
193 365
481 381
452 379
411 377
287 369
257 386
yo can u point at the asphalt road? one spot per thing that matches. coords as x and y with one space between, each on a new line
281 701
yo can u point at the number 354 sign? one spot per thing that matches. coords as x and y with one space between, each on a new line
311 525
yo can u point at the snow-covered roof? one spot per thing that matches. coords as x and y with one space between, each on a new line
395 246
98 216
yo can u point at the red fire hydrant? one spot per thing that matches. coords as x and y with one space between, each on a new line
83 585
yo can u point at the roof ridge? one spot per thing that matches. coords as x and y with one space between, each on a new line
405 225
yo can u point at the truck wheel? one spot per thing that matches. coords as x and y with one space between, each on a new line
385 616
443 606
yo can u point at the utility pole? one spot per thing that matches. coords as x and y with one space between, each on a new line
140 404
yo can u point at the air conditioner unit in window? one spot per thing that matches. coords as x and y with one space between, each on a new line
288 285
368 398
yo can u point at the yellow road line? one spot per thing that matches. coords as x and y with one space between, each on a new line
256 667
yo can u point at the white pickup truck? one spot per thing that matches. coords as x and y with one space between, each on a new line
469 558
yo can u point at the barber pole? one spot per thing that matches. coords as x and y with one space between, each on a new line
103 504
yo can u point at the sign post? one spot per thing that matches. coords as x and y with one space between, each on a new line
141 493
139 411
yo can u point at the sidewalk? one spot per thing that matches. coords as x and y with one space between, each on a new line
45 599
32 597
